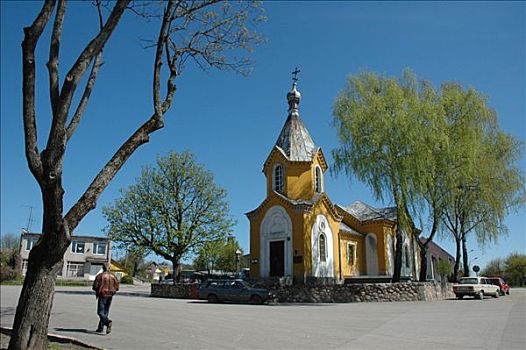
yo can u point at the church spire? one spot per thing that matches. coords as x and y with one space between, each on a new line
294 139
293 97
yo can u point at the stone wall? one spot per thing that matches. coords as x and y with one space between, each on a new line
365 292
341 293
178 291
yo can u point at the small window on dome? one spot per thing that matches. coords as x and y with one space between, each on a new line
317 180
278 178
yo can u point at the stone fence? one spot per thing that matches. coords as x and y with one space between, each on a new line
364 292
340 293
178 291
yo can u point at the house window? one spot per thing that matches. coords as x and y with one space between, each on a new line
75 269
99 248
24 267
30 242
351 253
77 247
317 180
323 248
278 178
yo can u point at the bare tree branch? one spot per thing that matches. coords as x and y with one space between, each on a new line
32 34
54 48
56 140
163 34
88 200
89 86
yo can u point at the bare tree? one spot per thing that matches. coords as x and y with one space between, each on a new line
206 32
9 241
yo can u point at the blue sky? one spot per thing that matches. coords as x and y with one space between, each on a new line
231 122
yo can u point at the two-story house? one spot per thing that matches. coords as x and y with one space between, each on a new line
82 260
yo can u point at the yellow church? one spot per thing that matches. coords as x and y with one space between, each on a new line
298 232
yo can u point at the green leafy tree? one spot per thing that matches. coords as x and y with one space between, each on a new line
515 267
211 33
495 267
227 255
133 260
9 256
386 127
172 210
487 182
208 256
444 269
218 255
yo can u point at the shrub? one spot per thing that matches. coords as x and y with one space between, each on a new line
127 279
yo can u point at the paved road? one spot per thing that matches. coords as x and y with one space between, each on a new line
142 322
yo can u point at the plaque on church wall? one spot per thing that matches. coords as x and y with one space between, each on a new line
298 259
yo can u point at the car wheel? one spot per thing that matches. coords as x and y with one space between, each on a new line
460 296
212 298
497 294
481 295
256 300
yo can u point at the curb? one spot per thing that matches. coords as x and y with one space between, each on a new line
57 338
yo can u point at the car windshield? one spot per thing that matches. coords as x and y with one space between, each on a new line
469 281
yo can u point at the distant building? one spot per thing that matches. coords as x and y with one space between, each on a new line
435 253
82 260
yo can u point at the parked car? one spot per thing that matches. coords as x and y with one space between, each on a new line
476 287
233 290
504 287
167 281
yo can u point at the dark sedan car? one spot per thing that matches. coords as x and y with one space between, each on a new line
504 288
233 290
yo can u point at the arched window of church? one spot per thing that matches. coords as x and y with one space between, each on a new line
323 247
317 180
278 178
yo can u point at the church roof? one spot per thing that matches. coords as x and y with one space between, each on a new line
365 212
295 141
347 229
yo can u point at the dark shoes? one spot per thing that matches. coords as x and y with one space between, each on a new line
99 330
108 327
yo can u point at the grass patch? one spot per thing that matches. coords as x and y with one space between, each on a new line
59 282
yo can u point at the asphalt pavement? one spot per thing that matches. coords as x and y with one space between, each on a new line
143 322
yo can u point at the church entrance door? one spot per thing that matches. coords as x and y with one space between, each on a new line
277 259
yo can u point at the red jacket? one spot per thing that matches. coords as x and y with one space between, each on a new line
105 285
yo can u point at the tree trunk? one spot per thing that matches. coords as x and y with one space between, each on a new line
398 256
465 258
36 299
176 274
457 261
423 263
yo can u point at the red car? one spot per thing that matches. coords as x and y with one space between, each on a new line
504 287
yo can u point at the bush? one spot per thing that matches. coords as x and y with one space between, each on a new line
127 279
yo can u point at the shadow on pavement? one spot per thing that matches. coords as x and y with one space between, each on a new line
77 330
89 292
7 311
272 304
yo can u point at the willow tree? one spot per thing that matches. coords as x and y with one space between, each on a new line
382 126
173 210
206 32
487 182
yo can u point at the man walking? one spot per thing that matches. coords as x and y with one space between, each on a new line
105 287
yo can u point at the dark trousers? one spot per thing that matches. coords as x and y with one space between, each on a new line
103 310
